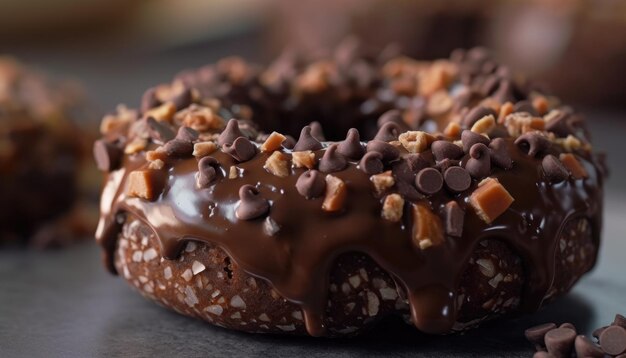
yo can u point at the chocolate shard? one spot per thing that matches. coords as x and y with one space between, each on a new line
455 216
553 170
230 133
316 131
477 113
500 154
386 150
351 147
108 156
429 181
251 204
311 184
533 144
332 161
241 149
443 149
159 133
208 168
372 163
307 141
479 163
469 138
457 179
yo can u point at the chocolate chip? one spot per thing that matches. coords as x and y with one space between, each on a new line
429 181
479 163
159 133
388 132
307 141
443 149
406 169
241 149
613 340
477 113
568 325
178 148
372 163
525 106
351 147
149 100
311 184
332 161
533 144
187 134
619 321
107 155
393 116
316 131
553 170
499 153
207 171
504 93
183 99
560 341
230 133
469 138
251 204
586 348
289 142
536 334
598 331
443 165
455 216
389 152
559 124
457 179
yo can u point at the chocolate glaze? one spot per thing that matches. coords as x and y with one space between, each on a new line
297 259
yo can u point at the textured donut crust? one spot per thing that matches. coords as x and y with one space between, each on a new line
205 283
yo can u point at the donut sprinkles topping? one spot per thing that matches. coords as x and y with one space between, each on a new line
416 201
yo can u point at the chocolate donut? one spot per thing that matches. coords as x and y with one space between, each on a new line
447 192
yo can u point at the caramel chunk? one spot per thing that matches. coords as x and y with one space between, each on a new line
484 125
277 164
162 113
136 145
573 165
273 142
393 206
303 159
336 194
415 141
452 130
145 184
202 149
490 200
382 181
201 118
427 227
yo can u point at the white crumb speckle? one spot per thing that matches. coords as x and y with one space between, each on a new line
355 281
187 275
236 315
197 267
287 328
137 256
237 302
150 254
190 297
191 246
372 303
388 294
215 309
167 273
264 317
297 315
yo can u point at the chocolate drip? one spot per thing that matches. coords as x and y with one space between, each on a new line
312 239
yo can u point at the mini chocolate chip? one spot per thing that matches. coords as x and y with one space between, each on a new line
479 163
560 341
443 165
504 93
311 184
598 331
613 340
392 116
241 149
372 163
560 124
525 106
149 100
351 147
429 181
183 99
388 131
207 171
389 152
536 334
500 154
533 144
230 133
619 321
443 149
251 204
107 155
289 142
178 148
457 179
187 134
553 169
316 131
159 133
455 216
469 138
586 348
307 141
477 113
332 161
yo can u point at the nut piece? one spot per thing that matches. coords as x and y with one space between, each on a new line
277 164
505 110
540 103
202 149
303 159
233 172
162 113
136 145
573 165
119 121
157 164
201 118
336 194
145 184
427 227
452 130
484 125
392 208
570 143
439 103
382 181
519 123
416 141
272 142
490 200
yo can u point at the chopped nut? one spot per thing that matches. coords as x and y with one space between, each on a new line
162 113
392 208
316 78
427 227
158 154
437 76
570 143
490 200
201 118
157 164
484 125
233 172
277 164
519 123
117 122
439 103
303 159
382 181
505 110
573 165
416 141
491 103
145 184
136 145
452 130
336 194
399 66
272 142
202 149
540 103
